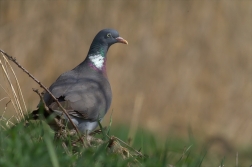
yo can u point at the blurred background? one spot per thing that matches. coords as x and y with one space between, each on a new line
187 68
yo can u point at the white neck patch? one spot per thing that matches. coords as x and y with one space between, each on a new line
97 60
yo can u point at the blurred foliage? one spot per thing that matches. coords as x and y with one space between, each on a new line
188 61
34 145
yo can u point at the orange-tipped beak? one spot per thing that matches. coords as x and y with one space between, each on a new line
121 40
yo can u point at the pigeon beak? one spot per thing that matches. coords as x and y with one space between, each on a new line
121 40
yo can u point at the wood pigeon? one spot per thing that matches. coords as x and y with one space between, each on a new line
85 91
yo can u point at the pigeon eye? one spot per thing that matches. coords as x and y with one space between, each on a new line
109 35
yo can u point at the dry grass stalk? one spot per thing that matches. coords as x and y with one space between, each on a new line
5 120
12 91
135 118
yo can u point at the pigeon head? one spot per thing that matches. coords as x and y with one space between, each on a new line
109 37
103 40
100 45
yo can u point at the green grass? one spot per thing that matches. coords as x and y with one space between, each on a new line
34 145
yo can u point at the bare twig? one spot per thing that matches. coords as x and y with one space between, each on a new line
41 85
41 98
58 123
